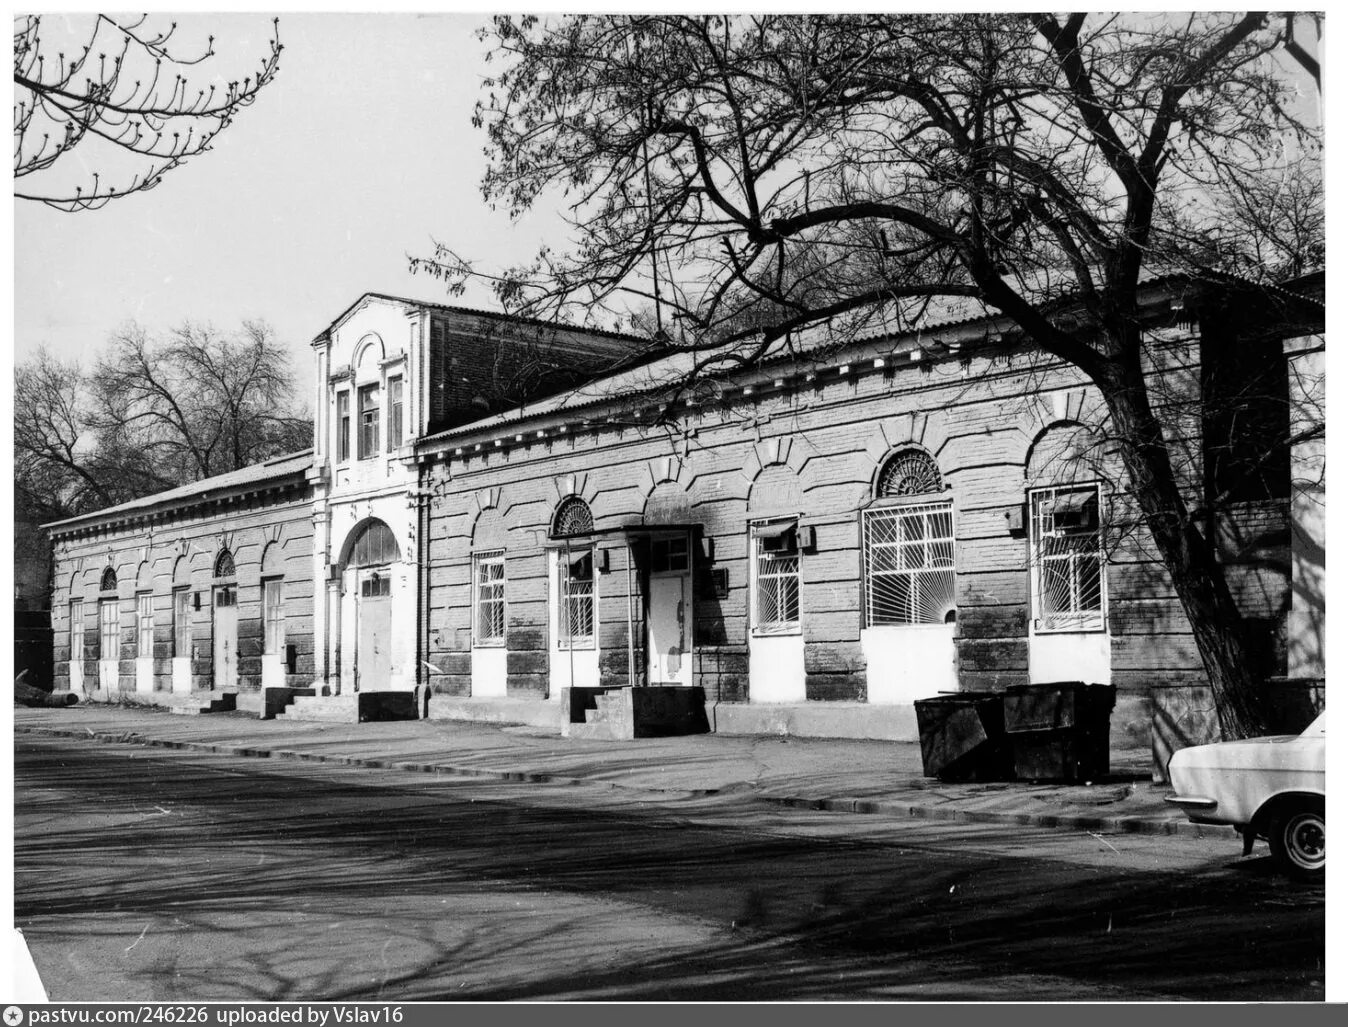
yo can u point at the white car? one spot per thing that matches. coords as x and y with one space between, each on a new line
1270 788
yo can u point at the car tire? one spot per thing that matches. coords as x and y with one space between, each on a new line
1296 837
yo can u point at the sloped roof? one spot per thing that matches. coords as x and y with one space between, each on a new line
274 469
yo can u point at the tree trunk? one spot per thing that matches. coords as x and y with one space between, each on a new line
1197 577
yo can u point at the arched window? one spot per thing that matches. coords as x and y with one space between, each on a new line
375 546
909 472
224 564
908 549
109 582
573 517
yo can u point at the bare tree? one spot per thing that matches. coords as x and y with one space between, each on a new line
118 92
755 177
151 415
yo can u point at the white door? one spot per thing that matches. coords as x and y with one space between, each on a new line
669 630
225 639
374 660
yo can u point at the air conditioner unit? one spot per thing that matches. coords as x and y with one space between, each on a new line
786 542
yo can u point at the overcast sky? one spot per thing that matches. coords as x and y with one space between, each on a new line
358 154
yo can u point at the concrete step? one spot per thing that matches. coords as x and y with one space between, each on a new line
329 709
198 703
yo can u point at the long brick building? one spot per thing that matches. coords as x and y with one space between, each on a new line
495 511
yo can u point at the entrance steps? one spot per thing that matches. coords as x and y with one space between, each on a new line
196 703
609 718
328 709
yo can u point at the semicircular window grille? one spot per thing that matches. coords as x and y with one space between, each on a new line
109 582
224 564
573 518
909 472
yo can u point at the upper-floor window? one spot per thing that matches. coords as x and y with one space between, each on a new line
395 413
367 444
343 426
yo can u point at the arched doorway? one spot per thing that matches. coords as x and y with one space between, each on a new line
369 566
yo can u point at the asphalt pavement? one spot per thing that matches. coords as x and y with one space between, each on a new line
842 775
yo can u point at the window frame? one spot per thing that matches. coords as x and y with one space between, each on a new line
343 426
273 616
109 628
759 558
395 413
894 508
182 621
367 421
1077 620
572 597
75 611
144 625
496 597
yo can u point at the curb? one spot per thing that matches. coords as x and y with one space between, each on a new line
1076 822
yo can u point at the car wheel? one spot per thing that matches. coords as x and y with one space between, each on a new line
1296 837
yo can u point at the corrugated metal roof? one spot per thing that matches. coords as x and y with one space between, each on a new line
254 474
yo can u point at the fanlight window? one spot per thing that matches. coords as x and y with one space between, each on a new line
374 547
109 582
908 473
573 518
224 565
1067 559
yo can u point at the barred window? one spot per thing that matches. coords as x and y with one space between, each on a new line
776 568
108 644
489 598
273 616
576 595
77 629
909 554
182 622
109 582
1067 559
368 442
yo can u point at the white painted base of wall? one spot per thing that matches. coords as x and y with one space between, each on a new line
1070 656
488 668
107 675
273 670
76 676
144 674
776 668
905 663
575 668
816 720
182 675
543 713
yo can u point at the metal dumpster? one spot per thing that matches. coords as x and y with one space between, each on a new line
1059 731
962 737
